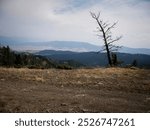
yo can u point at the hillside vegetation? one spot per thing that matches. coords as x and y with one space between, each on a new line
9 58
77 90
94 59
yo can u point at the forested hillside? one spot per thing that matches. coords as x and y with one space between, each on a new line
94 59
9 58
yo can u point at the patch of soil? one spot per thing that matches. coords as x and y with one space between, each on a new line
79 90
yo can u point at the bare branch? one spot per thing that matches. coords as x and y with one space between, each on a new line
101 21
114 46
98 15
112 26
99 29
95 16
104 28
105 24
108 37
118 38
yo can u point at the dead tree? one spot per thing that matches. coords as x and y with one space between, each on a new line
104 30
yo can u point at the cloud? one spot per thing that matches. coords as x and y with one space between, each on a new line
70 20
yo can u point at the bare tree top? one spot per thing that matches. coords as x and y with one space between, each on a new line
105 29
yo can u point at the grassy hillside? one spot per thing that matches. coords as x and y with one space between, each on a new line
78 90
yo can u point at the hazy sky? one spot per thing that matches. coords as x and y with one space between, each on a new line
50 20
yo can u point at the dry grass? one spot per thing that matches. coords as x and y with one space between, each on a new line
80 90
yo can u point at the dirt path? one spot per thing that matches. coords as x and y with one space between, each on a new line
81 90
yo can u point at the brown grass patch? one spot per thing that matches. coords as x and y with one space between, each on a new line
79 90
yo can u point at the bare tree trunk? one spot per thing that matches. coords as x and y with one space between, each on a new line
108 55
105 29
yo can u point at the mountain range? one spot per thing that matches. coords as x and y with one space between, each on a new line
94 59
19 44
77 53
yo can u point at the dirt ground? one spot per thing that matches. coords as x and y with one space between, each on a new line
79 90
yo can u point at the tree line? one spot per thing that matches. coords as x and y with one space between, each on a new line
9 58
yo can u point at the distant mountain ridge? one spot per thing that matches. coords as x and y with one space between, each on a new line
135 50
93 59
74 46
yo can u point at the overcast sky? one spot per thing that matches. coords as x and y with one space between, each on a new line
49 20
